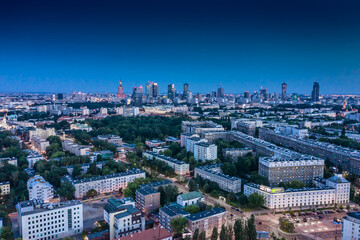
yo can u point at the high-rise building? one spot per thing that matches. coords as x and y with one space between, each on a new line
120 93
283 91
186 90
247 94
60 96
152 89
137 96
171 91
220 92
315 92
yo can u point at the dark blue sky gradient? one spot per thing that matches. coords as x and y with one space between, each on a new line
62 46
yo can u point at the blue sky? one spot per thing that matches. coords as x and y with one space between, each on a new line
63 46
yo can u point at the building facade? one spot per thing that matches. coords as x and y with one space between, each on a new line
147 199
180 167
205 151
207 220
40 189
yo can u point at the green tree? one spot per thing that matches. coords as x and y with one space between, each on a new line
76 170
251 228
192 209
202 236
178 224
230 233
91 193
255 200
6 233
192 185
231 197
239 230
196 234
66 190
214 235
223 233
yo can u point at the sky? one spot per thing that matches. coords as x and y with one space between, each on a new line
66 46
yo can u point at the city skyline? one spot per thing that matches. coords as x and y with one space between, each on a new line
88 46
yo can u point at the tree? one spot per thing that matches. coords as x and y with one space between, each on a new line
192 185
223 233
178 224
230 233
91 193
231 197
202 236
239 230
251 228
171 193
6 233
192 209
243 199
348 207
286 226
214 235
76 170
196 234
341 207
255 200
66 190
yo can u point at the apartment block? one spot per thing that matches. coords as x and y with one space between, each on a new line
235 153
104 184
180 167
213 173
198 127
76 149
40 144
147 199
12 161
5 188
39 221
205 151
351 226
123 217
111 139
32 157
169 212
40 189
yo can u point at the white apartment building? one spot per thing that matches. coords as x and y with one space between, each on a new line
190 143
351 226
12 161
205 151
111 139
33 157
213 173
340 184
104 184
180 167
74 148
40 144
42 133
123 217
40 189
39 221
5 188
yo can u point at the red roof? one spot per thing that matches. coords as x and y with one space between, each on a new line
157 233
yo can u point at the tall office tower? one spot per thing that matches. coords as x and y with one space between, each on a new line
120 93
60 96
213 94
171 91
283 91
221 92
264 95
247 94
315 92
137 96
152 90
186 90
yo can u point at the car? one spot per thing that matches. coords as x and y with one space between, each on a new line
260 223
237 209
320 217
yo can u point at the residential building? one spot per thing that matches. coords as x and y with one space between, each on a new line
172 139
190 143
235 153
42 133
213 173
33 157
39 221
84 167
40 189
5 188
190 198
205 151
283 170
39 143
198 127
156 185
79 126
207 220
180 167
76 149
156 233
247 126
169 212
184 137
340 184
104 184
351 226
12 161
154 143
123 217
111 139
147 199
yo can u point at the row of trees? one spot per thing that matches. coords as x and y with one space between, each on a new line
160 166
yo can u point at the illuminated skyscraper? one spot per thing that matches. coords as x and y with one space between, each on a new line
152 90
283 91
171 91
315 92
220 92
120 93
186 90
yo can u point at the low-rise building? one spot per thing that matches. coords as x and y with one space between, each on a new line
213 173
180 167
104 184
147 199
154 143
111 139
33 157
207 220
123 217
40 189
84 167
12 161
351 226
190 198
205 151
169 212
38 221
5 188
172 140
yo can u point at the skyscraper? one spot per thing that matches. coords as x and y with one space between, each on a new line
315 92
247 94
152 90
137 96
120 93
283 91
171 91
186 90
221 92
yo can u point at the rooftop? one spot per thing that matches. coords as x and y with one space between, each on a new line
146 191
191 195
205 214
157 184
174 210
166 158
150 234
